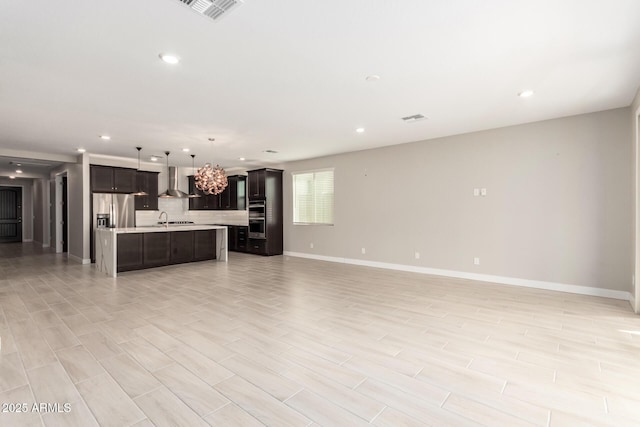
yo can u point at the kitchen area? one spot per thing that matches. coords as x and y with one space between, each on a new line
134 226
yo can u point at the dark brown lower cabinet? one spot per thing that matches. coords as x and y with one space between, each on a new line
204 245
181 246
257 246
232 237
146 250
242 237
238 236
156 249
129 252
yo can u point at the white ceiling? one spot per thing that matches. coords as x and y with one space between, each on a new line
289 75
29 167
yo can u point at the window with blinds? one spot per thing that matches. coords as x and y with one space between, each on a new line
313 197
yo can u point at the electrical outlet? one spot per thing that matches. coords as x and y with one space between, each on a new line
364 251
483 192
417 255
311 245
476 191
476 261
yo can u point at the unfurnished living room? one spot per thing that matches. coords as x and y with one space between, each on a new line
336 213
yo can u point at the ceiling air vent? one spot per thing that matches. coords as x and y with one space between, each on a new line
414 118
214 9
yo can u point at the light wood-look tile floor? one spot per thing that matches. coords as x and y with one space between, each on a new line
285 341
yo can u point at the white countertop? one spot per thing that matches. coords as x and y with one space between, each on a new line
162 228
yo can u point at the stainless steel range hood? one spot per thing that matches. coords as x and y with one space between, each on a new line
172 183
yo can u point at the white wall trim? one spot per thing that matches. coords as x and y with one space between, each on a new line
27 240
79 260
45 245
537 284
632 301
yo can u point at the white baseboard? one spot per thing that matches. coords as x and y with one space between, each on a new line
27 240
79 260
45 245
632 301
537 284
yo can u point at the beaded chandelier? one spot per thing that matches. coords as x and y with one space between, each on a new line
211 180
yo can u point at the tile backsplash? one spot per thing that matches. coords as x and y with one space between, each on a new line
178 210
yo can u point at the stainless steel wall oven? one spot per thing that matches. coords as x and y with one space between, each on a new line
257 219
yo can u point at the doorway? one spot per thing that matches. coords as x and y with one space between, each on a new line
10 214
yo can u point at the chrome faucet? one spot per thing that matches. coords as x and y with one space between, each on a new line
166 218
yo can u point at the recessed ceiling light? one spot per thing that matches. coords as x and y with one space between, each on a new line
270 151
186 150
169 58
154 158
18 164
81 150
373 78
12 177
211 139
105 137
360 130
18 170
525 93
242 159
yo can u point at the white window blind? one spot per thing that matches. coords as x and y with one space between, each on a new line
313 197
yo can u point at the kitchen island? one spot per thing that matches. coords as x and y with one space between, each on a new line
125 249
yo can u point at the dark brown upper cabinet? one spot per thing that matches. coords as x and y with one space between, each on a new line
257 179
107 179
232 198
205 202
147 182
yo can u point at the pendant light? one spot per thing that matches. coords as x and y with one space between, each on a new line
211 180
193 169
140 192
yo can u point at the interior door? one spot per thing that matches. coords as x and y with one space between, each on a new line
10 214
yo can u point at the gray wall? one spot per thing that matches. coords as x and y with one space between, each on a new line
76 212
41 211
558 209
27 203
78 208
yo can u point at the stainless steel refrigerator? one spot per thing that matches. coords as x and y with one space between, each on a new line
121 209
